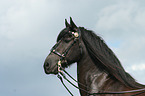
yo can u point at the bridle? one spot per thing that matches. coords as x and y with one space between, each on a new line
61 70
53 50
76 37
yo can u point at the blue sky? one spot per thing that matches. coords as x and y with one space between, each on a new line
29 28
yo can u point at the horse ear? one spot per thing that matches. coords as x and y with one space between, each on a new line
66 23
72 24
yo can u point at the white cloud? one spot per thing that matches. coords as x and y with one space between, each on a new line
124 22
26 18
122 18
138 67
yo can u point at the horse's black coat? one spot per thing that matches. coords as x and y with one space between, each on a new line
105 58
97 66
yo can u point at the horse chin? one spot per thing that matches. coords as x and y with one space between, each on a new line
55 72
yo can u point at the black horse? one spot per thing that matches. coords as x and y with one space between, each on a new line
99 71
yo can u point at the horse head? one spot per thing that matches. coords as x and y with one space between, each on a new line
66 51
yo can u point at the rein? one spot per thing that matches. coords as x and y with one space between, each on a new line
62 76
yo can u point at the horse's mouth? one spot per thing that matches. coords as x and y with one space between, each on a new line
55 72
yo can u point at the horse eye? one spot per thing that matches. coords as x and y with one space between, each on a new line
68 38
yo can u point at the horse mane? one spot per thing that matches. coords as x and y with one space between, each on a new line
105 59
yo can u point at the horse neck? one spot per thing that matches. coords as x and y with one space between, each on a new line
90 75
94 78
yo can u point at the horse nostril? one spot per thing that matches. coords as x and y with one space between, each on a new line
47 65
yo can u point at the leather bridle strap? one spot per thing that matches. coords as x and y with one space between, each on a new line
138 93
61 74
63 55
64 84
141 91
122 92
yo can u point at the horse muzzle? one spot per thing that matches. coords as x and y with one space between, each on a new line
50 67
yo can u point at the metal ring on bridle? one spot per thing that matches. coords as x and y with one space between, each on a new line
76 34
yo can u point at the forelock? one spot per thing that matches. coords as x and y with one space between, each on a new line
62 33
